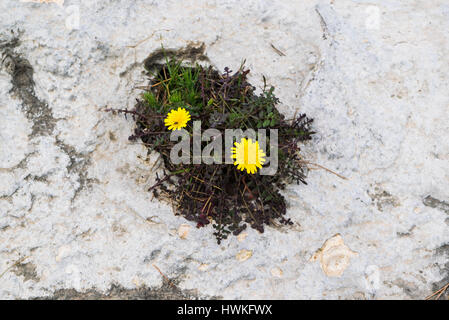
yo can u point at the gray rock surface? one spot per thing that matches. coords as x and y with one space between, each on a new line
75 216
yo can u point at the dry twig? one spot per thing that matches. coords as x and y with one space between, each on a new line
15 264
164 276
279 52
439 292
324 168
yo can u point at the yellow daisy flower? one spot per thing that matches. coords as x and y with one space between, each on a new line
248 155
177 119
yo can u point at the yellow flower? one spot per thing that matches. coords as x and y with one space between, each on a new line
177 119
248 155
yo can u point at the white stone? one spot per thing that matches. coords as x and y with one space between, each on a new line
244 255
183 231
334 256
377 89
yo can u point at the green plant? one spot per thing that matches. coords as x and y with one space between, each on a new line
218 193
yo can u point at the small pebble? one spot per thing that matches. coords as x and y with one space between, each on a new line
183 231
244 255
203 267
242 236
277 272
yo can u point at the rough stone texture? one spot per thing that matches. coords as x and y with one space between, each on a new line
73 200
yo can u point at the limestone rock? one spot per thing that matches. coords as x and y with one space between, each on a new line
334 256
374 75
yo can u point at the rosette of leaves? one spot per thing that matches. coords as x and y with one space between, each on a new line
219 194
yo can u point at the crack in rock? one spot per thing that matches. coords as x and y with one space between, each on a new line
192 52
21 71
432 202
443 251
38 111
168 291
27 270
79 163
